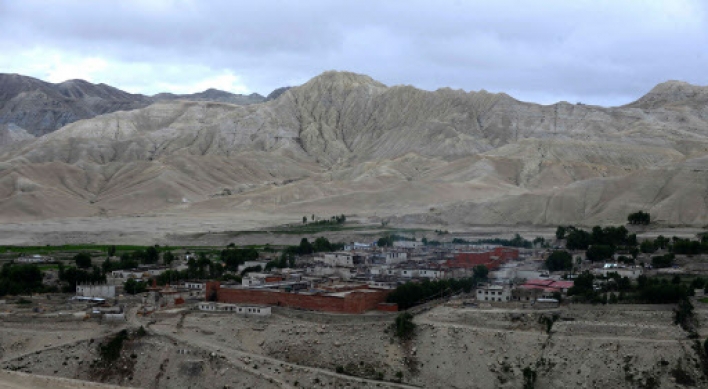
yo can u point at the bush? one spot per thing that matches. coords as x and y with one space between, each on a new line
111 351
661 261
404 326
82 260
559 260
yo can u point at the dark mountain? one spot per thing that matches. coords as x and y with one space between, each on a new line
40 107
213 95
35 107
276 93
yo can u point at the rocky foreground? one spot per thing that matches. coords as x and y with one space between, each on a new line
615 346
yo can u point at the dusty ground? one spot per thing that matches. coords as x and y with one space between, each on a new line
219 229
620 346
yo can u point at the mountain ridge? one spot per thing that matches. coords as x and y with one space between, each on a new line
40 107
346 143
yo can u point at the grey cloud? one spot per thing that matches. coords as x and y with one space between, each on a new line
603 52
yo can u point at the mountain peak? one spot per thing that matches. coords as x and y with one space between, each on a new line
343 78
669 92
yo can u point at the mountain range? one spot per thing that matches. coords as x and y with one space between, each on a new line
345 143
29 106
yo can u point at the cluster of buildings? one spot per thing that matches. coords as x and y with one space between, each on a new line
354 280
360 277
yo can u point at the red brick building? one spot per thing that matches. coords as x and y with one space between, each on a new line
351 301
491 259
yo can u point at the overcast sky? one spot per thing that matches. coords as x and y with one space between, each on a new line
596 52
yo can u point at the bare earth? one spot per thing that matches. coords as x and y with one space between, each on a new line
620 346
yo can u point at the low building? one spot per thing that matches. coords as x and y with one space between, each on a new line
353 300
96 290
233 308
394 257
195 285
542 289
494 293
36 258
340 259
491 259
407 244
252 264
631 272
435 274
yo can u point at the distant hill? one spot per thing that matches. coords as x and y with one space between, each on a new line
40 107
37 108
214 95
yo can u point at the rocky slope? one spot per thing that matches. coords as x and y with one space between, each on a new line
345 143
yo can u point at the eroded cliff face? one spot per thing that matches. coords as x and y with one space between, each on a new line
346 143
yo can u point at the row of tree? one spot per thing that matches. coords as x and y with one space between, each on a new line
20 279
333 220
413 293
640 217
648 290
676 245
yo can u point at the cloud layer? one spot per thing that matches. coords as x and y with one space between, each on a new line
594 51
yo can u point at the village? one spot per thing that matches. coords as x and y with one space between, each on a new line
334 314
355 279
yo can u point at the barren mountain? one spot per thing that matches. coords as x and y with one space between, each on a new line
39 107
345 143
213 95
35 107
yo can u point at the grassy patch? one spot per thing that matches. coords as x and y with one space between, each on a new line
703 300
88 248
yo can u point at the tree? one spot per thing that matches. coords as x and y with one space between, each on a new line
647 246
598 252
404 328
559 260
385 241
640 217
305 247
304 220
111 251
134 287
560 232
151 255
82 260
480 272
168 258
660 261
577 239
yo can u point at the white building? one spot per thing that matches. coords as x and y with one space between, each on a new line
493 293
98 290
248 264
36 258
408 273
254 279
194 285
407 244
358 246
631 272
340 259
431 273
393 257
238 309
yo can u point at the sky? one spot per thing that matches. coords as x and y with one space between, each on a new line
595 52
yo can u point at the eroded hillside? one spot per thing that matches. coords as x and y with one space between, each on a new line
345 143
